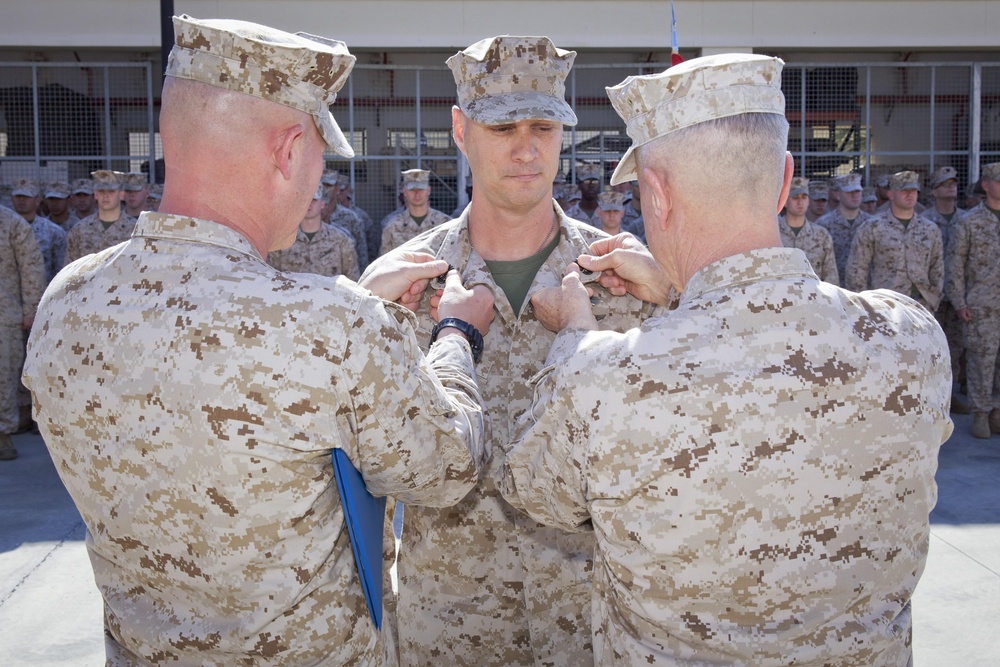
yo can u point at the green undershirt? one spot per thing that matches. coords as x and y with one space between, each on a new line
515 277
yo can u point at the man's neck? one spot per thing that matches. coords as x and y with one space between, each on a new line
848 213
311 225
503 235
134 212
795 221
418 211
59 219
588 205
945 206
109 216
899 213
30 217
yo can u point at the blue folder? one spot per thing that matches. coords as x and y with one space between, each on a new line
365 516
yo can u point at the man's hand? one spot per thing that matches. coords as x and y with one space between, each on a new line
565 306
402 276
964 314
627 266
27 321
475 305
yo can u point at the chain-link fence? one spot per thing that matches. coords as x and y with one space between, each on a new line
59 121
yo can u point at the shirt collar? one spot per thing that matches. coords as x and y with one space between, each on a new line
184 228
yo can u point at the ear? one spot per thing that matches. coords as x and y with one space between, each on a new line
786 183
289 149
656 195
458 128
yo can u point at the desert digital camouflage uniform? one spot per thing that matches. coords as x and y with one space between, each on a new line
481 583
201 434
53 244
592 219
399 227
632 223
22 281
90 236
817 245
974 283
347 220
908 260
330 252
842 232
946 311
741 462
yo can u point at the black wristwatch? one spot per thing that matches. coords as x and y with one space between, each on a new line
470 332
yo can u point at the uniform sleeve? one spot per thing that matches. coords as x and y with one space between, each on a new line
349 259
73 243
830 273
276 259
956 254
59 248
936 268
544 474
419 420
31 265
859 260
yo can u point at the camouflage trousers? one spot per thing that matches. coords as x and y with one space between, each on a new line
952 327
11 363
982 345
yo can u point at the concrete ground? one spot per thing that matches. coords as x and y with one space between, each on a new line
50 610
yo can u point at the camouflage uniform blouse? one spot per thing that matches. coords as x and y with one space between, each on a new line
399 227
842 232
907 260
973 258
52 242
22 270
90 236
190 396
743 462
330 252
482 584
817 244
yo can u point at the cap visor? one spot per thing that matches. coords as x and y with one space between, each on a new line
334 138
626 169
517 106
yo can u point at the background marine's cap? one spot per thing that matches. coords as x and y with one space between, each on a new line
320 192
106 179
905 180
868 194
300 71
991 171
416 179
57 190
571 192
24 187
943 174
83 186
330 177
134 181
882 181
800 186
588 170
611 200
693 92
817 190
155 191
849 183
506 79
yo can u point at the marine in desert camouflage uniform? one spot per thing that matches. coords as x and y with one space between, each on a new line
742 458
590 178
416 216
106 228
797 232
26 195
973 287
319 248
191 395
898 249
844 221
481 584
341 216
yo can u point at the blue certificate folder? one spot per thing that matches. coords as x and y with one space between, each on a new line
365 515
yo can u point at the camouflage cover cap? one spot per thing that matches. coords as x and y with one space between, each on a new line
106 179
24 187
134 181
882 181
693 92
320 192
942 175
560 178
155 191
57 190
343 182
330 177
588 170
570 192
800 186
416 179
611 201
817 190
868 194
506 79
83 186
849 183
300 71
992 171
905 180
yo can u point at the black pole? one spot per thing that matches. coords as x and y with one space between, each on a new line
166 33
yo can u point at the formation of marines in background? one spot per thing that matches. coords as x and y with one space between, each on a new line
550 480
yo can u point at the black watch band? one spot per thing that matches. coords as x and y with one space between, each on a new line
470 332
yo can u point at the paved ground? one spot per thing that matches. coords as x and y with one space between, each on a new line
50 611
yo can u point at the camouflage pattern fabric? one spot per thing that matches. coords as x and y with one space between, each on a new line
399 227
347 220
52 242
974 283
945 225
592 219
90 236
22 281
817 245
632 223
330 252
907 260
481 584
741 462
190 396
842 232
946 316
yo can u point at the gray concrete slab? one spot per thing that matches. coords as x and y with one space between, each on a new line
50 610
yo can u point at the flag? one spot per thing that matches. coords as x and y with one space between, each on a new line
675 53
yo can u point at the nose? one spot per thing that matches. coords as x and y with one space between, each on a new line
525 147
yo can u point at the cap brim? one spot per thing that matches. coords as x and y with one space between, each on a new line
627 169
332 135
857 189
512 107
23 193
55 195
